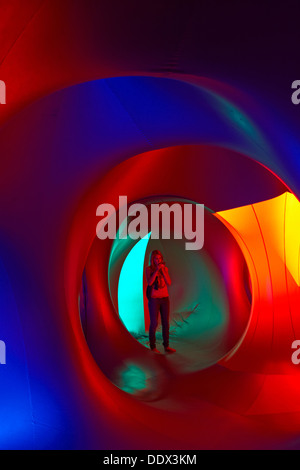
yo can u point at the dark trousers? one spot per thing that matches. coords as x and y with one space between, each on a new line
161 305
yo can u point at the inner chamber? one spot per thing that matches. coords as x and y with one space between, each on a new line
211 289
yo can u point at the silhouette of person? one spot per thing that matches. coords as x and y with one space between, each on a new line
158 279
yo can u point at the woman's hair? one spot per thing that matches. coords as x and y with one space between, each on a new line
151 260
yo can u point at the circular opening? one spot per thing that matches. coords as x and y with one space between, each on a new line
210 303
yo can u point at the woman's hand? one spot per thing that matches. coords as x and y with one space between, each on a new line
151 277
165 273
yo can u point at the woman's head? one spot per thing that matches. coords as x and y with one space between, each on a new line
155 258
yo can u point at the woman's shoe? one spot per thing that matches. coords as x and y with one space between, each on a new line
155 350
170 350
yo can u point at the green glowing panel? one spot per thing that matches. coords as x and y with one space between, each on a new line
130 288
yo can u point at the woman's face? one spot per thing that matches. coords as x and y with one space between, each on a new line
157 260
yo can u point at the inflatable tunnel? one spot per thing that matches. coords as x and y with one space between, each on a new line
83 129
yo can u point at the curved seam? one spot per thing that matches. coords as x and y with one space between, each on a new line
257 396
269 268
22 32
235 350
128 113
285 266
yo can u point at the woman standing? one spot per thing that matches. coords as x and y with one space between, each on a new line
158 279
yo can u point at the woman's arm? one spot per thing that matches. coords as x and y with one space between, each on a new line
165 273
151 278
